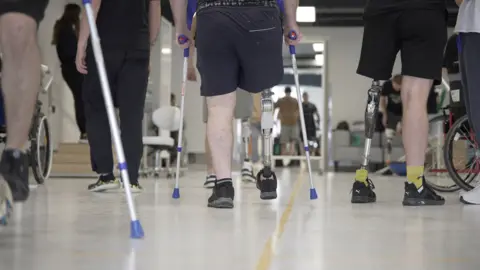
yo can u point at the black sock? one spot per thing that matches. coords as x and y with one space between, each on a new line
224 181
107 177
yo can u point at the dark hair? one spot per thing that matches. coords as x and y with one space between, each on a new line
70 18
397 79
288 90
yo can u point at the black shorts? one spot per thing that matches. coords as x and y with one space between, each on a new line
239 47
393 120
420 36
32 8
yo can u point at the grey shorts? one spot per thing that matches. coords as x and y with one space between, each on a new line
239 47
243 106
289 134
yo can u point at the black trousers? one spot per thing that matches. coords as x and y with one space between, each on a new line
127 73
469 57
74 80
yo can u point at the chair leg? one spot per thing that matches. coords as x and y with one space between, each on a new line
156 171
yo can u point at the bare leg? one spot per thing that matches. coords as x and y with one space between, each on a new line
208 154
220 134
220 140
21 81
415 140
21 75
415 119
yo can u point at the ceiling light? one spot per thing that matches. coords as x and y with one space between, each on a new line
318 47
166 51
306 14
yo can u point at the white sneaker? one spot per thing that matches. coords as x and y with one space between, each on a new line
471 197
210 181
247 172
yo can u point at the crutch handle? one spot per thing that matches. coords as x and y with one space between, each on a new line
292 35
182 39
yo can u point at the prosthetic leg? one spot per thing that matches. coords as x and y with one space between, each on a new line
266 178
389 134
363 187
247 167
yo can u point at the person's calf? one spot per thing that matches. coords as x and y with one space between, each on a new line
20 75
220 140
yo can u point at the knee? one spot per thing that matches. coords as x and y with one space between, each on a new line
17 32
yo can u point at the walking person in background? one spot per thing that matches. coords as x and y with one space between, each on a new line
128 29
65 36
289 116
311 116
256 128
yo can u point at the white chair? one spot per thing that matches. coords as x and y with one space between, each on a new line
166 119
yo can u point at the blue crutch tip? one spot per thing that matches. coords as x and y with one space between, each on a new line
176 193
313 194
136 230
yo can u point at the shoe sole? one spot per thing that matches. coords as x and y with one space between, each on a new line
6 200
268 195
221 203
249 178
418 202
363 199
105 187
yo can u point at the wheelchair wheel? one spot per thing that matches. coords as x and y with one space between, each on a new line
436 174
41 149
461 154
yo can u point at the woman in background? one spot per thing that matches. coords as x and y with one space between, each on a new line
65 35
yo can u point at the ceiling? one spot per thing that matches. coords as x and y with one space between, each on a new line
335 12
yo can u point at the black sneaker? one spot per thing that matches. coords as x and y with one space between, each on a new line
222 196
422 196
210 181
267 184
14 169
105 182
363 193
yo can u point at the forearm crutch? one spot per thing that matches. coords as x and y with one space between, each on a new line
292 35
136 230
186 53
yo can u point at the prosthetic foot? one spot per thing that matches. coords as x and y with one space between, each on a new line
266 178
362 191
247 167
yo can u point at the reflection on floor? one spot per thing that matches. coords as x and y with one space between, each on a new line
65 227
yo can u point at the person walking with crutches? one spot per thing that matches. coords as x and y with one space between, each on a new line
127 29
238 45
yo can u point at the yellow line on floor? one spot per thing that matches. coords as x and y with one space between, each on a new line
268 250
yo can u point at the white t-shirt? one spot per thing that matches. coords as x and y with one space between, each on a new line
468 19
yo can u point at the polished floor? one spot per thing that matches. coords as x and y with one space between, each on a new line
64 227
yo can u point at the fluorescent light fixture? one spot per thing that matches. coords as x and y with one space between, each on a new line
318 47
306 14
320 59
166 51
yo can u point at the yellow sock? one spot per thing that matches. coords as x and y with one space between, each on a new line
361 175
414 175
